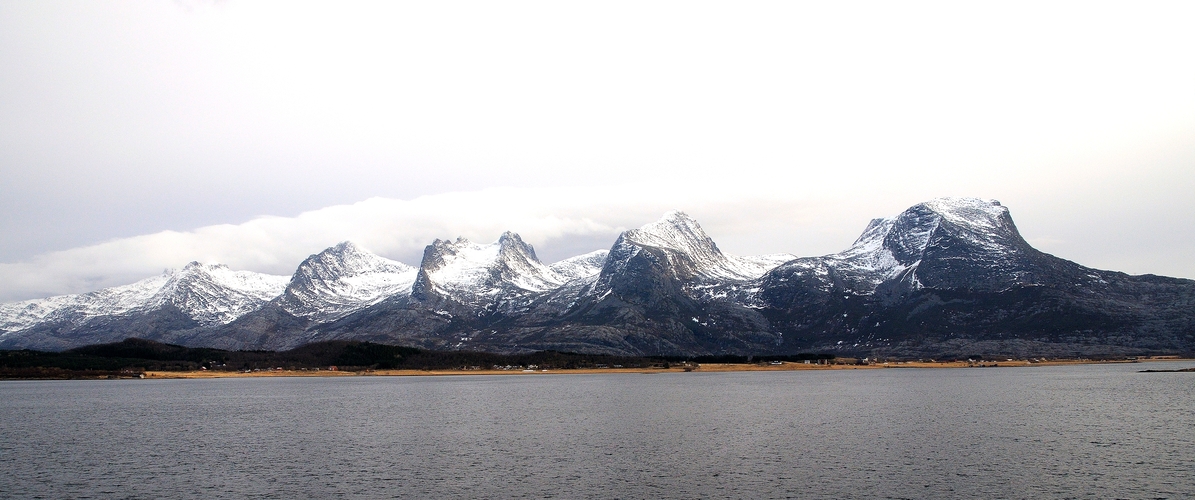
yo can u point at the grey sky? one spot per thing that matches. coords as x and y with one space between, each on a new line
780 127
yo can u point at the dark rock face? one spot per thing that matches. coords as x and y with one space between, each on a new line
962 279
153 324
945 278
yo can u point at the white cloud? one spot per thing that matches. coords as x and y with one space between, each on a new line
564 222
1122 234
790 123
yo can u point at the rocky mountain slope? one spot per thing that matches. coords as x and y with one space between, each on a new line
946 278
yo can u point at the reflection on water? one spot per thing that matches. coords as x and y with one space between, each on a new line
1096 431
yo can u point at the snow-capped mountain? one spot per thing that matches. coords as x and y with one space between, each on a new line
198 295
892 249
213 294
664 287
483 276
672 260
689 250
949 276
343 279
76 309
956 272
483 296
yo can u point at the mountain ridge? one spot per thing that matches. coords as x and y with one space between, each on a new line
945 275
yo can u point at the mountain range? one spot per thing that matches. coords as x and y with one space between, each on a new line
948 277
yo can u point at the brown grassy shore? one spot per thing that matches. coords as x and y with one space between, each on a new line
675 368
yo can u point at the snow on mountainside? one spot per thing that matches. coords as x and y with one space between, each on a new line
16 316
945 276
892 247
341 280
954 275
677 232
481 275
581 266
754 266
211 294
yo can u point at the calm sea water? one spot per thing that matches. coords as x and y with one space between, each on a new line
1096 431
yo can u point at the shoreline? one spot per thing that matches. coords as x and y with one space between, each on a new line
706 368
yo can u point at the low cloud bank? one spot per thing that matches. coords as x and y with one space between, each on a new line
558 222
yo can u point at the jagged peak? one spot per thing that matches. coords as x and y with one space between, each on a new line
509 238
435 253
450 244
508 245
467 270
511 242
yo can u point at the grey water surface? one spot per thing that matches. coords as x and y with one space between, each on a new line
1091 431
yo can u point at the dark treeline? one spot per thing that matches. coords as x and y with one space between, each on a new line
134 356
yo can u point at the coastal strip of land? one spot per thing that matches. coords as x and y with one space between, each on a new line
672 368
136 358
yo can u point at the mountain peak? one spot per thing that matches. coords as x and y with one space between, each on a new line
676 216
343 278
511 242
954 203
345 247
970 211
985 224
346 259
693 252
215 294
949 232
676 231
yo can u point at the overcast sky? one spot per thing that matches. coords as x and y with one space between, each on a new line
136 136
